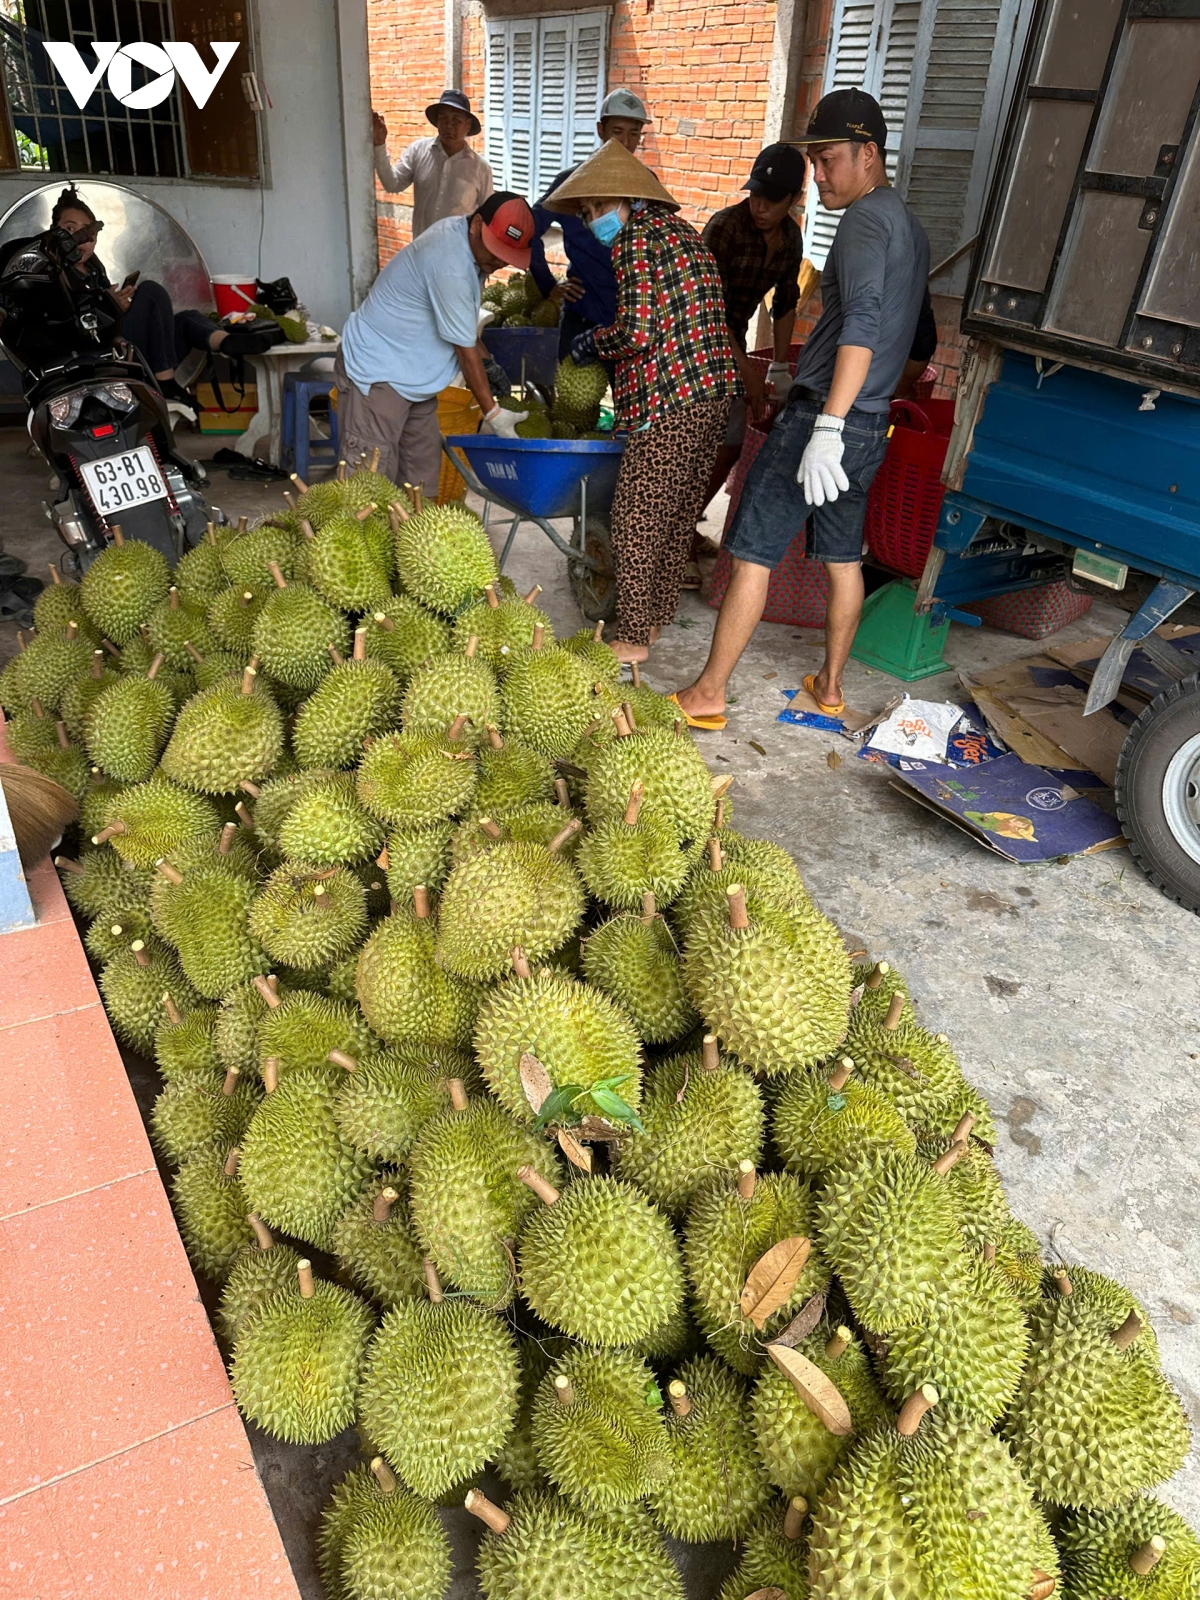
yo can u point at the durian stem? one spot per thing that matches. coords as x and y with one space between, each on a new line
622 726
97 664
111 832
539 636
988 1251
635 668
36 707
914 1409
210 533
291 503
1124 1336
533 594
244 815
478 1504
247 597
472 647
231 1162
840 1076
563 1392
629 716
1062 1281
1147 1556
877 974
299 482
268 994
494 736
361 516
836 1347
598 631
420 901
260 1230
341 471
277 576
385 622
270 1074
520 963
678 1396
173 598
710 1055
649 908
738 916
962 1129
118 536
139 952
633 806
273 981
54 577
249 673
384 1476
793 1517
432 1282
746 1180
542 1187
72 630
155 666
170 873
340 1058
493 600
228 834
243 524
374 468
397 511
715 860
109 646
895 1011
249 788
307 529
563 834
60 729
455 732
418 498
305 1274
562 793
335 655
458 1093
65 864
381 1211
232 1075
192 651
492 829
950 1158
21 644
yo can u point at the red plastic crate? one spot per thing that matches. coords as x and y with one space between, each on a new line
906 496
798 592
1033 613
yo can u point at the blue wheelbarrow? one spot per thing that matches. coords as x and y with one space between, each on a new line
543 480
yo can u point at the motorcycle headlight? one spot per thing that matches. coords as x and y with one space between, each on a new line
117 395
65 410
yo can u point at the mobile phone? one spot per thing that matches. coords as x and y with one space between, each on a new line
130 279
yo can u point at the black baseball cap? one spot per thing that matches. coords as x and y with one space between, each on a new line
846 114
777 171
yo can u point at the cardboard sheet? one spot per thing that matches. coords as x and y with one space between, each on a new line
1142 680
1036 707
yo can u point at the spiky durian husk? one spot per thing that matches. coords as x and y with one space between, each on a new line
417 635
940 1122
303 928
354 701
717 1485
443 558
1096 1546
1019 1262
59 604
326 826
552 1549
770 1560
30 735
188 1046
602 1263
302 1030
439 1391
119 922
547 700
256 1278
707 891
122 587
158 816
620 863
212 1211
206 918
600 660
77 700
127 727
414 780
196 1114
539 823
380 1258
917 1070
517 1459
608 1447
405 994
295 1367
343 568
516 894
200 575
816 1127
247 557
171 628
677 784
232 616
102 879
224 737
236 1033
133 993
502 631
383 1106
396 1547
292 635
444 689
418 856
510 779
636 961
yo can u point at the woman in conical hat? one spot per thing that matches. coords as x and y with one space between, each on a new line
676 379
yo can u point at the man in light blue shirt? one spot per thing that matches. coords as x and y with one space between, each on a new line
416 331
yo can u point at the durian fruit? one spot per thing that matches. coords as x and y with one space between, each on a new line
702 1116
353 702
235 1034
732 1224
379 1542
417 856
1018 1260
601 661
212 1210
405 994
204 913
439 1390
128 725
1094 1419
773 1558
196 1114
502 627
65 764
599 1261
122 587
120 922
92 882
320 501
260 1273
295 1365
185 1042
200 575
450 687
44 670
974 1187
174 625
308 918
511 776
298 1171
342 566
413 780
578 1035
888 1230
763 873
388 1098
578 391
78 697
60 604
541 1547
773 985
917 1070
297 635
597 1427
149 820
225 736
443 558
249 557
30 733
941 1122
820 1121
94 805
518 894
1139 1548
326 826
547 695
131 986
274 799
635 960
624 859
901 1516
404 635
301 1029
539 823
367 486
677 786
374 1244
232 616
466 1199
798 1444
717 1485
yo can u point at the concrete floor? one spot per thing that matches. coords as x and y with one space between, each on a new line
1068 991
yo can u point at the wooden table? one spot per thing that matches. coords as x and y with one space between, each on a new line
263 436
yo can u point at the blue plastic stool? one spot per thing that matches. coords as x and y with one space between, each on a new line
300 389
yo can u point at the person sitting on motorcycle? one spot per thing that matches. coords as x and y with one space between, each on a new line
148 320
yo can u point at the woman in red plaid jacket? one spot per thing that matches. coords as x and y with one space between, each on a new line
675 381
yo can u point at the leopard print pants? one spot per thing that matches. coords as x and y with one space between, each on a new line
658 501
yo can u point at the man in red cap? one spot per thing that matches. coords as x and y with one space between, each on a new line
416 331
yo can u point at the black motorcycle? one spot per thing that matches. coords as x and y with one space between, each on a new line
95 409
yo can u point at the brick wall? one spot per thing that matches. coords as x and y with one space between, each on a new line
408 55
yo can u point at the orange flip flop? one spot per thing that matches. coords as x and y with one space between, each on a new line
712 724
828 711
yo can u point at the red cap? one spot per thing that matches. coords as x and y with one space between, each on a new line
508 230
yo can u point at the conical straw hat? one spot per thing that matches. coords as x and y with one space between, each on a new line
611 174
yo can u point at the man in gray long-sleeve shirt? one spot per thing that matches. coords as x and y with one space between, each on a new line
832 435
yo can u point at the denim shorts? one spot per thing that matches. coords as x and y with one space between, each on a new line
772 509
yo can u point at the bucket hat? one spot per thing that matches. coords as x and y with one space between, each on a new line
454 100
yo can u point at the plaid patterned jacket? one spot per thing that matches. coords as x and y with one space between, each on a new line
670 341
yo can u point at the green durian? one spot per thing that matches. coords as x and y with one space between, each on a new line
1019 1262
502 627
383 1105
601 1263
394 1548
295 1366
445 689
176 623
98 877
726 1234
941 1122
413 780
517 1459
511 776
30 733
101 791
186 1044
375 1247
622 861
916 1070
707 888
296 635
879 981
550 1549
320 501
80 695
60 604
298 1171
539 823
601 661
200 575
149 820
677 787
225 736
466 1199
132 986
261 1272
307 918
975 1190
418 856
702 1116
353 1499
212 1210
302 1028
443 558
439 1391
404 635
195 1114
353 702
343 568
1138 1549
547 700
816 1125
218 664
205 915
326 826
717 1485
405 994
122 587
276 797
366 487
771 1561
518 894
598 1430
236 1032
249 557
232 616
115 929
634 959
66 766
578 392
44 671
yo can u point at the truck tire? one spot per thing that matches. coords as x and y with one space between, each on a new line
1158 791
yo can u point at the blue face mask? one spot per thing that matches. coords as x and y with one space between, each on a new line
607 227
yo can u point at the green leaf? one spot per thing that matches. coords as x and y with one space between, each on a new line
611 1083
614 1107
558 1106
654 1397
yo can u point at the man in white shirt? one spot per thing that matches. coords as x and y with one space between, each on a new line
448 178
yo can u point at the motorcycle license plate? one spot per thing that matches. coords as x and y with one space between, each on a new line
117 482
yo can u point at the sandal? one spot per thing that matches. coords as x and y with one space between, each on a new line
692 576
827 711
709 724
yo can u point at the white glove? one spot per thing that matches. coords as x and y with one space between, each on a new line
779 380
486 315
502 422
821 464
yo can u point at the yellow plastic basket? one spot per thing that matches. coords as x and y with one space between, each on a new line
457 413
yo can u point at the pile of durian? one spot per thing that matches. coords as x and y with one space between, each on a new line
517 303
533 1118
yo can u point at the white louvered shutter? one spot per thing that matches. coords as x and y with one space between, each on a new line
522 49
851 64
495 100
587 84
553 102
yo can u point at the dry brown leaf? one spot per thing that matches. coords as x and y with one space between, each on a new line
535 1081
857 994
803 1323
599 1131
833 760
820 1395
772 1278
577 1154
721 786
754 745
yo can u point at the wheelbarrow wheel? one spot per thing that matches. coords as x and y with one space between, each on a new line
1158 791
594 588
